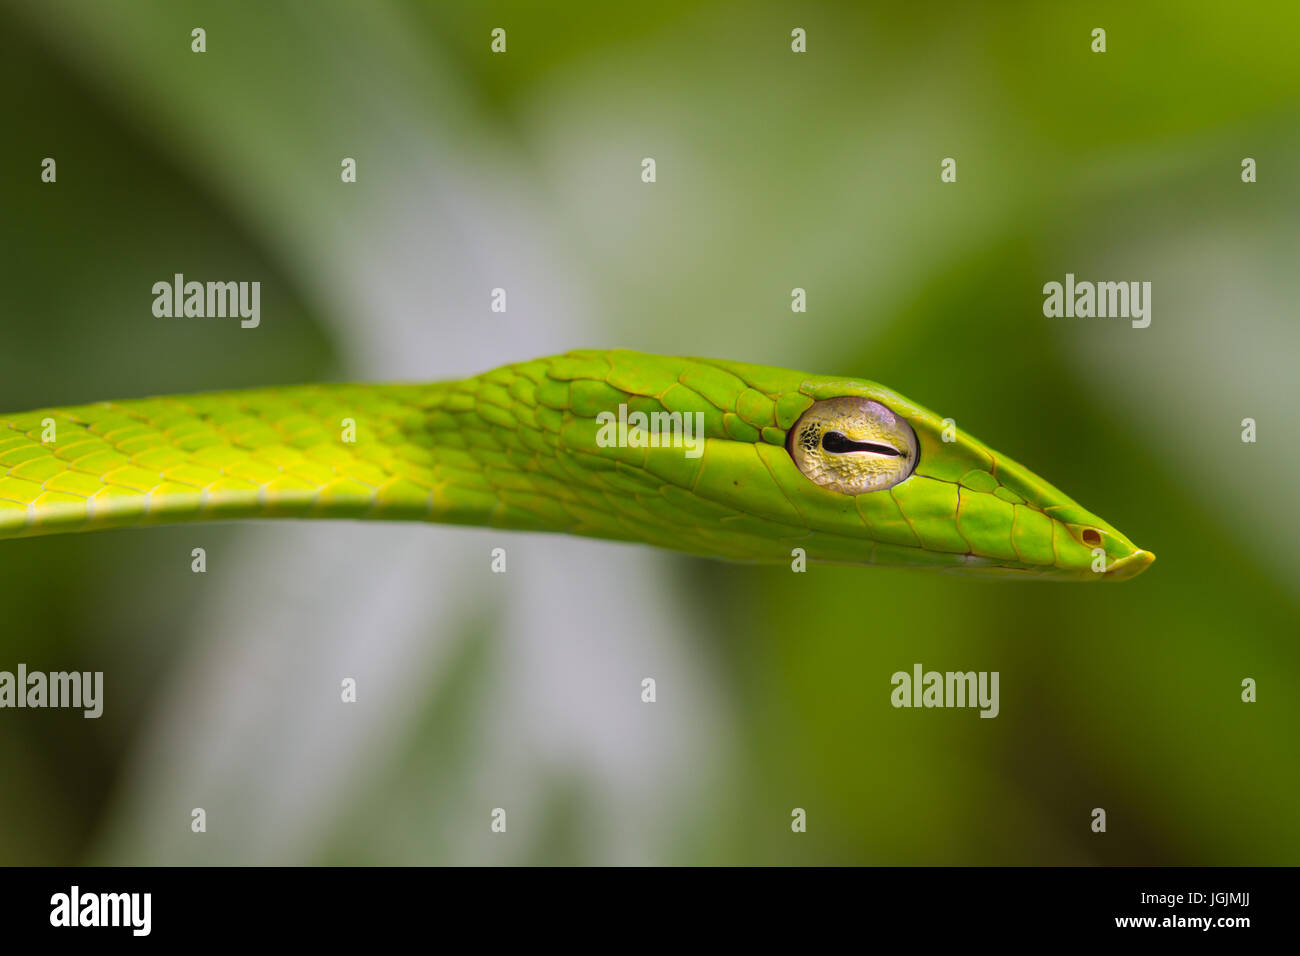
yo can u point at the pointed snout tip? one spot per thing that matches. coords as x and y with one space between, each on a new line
1130 566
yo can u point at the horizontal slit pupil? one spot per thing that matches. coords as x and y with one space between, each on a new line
838 443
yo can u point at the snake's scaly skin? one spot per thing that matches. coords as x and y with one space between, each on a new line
516 448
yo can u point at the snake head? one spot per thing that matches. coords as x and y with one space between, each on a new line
917 481
843 468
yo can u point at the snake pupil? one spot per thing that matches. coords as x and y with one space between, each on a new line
839 444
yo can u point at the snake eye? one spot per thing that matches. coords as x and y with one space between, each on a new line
853 445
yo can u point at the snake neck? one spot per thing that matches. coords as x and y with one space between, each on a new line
514 448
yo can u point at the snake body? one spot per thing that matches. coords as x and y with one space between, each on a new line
518 448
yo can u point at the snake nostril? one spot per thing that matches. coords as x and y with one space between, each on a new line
1092 537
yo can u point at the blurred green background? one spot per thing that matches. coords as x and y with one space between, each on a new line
775 170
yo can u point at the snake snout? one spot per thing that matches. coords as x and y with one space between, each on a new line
1130 566
1123 559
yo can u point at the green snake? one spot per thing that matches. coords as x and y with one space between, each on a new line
717 458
